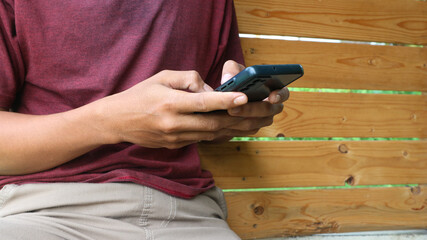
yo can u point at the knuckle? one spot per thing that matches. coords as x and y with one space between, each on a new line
210 136
213 126
168 105
170 138
202 103
168 125
164 72
193 75
171 146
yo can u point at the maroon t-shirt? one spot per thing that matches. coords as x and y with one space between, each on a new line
59 55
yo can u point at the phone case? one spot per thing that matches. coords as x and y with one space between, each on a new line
258 81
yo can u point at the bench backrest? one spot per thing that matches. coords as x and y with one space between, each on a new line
336 173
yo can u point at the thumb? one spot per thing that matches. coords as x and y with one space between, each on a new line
230 69
226 77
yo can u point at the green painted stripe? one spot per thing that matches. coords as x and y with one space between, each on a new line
319 188
245 139
363 91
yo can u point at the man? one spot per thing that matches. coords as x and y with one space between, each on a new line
103 102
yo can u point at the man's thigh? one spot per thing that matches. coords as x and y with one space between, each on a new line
109 211
20 230
53 226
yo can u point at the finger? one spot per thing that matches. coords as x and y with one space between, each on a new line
256 109
230 69
252 124
279 96
186 138
177 145
208 101
235 133
184 80
197 122
192 137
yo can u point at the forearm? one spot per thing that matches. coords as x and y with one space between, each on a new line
30 143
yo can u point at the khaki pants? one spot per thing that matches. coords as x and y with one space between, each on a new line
109 211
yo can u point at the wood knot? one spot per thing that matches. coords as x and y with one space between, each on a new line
405 154
280 135
238 148
343 148
259 210
350 180
416 190
372 62
252 50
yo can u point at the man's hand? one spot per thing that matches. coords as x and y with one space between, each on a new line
166 110
255 115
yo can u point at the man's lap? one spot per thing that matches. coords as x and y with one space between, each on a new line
109 211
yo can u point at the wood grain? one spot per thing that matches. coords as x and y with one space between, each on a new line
344 66
400 21
288 213
310 114
277 164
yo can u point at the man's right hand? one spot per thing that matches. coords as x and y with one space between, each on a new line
164 111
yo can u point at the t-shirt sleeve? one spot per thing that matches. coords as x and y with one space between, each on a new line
11 64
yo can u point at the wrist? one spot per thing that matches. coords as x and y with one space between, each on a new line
94 118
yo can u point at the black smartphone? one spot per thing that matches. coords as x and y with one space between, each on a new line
258 81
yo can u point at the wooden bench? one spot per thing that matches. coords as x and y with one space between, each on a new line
365 185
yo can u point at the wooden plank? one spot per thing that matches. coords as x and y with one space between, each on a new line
288 213
344 66
401 21
310 114
276 164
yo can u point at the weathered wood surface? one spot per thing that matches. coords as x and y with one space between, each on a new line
344 66
333 163
279 164
302 212
310 114
402 21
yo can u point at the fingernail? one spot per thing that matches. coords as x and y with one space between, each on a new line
277 98
240 100
226 77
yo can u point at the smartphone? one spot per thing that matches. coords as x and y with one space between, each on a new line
258 81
